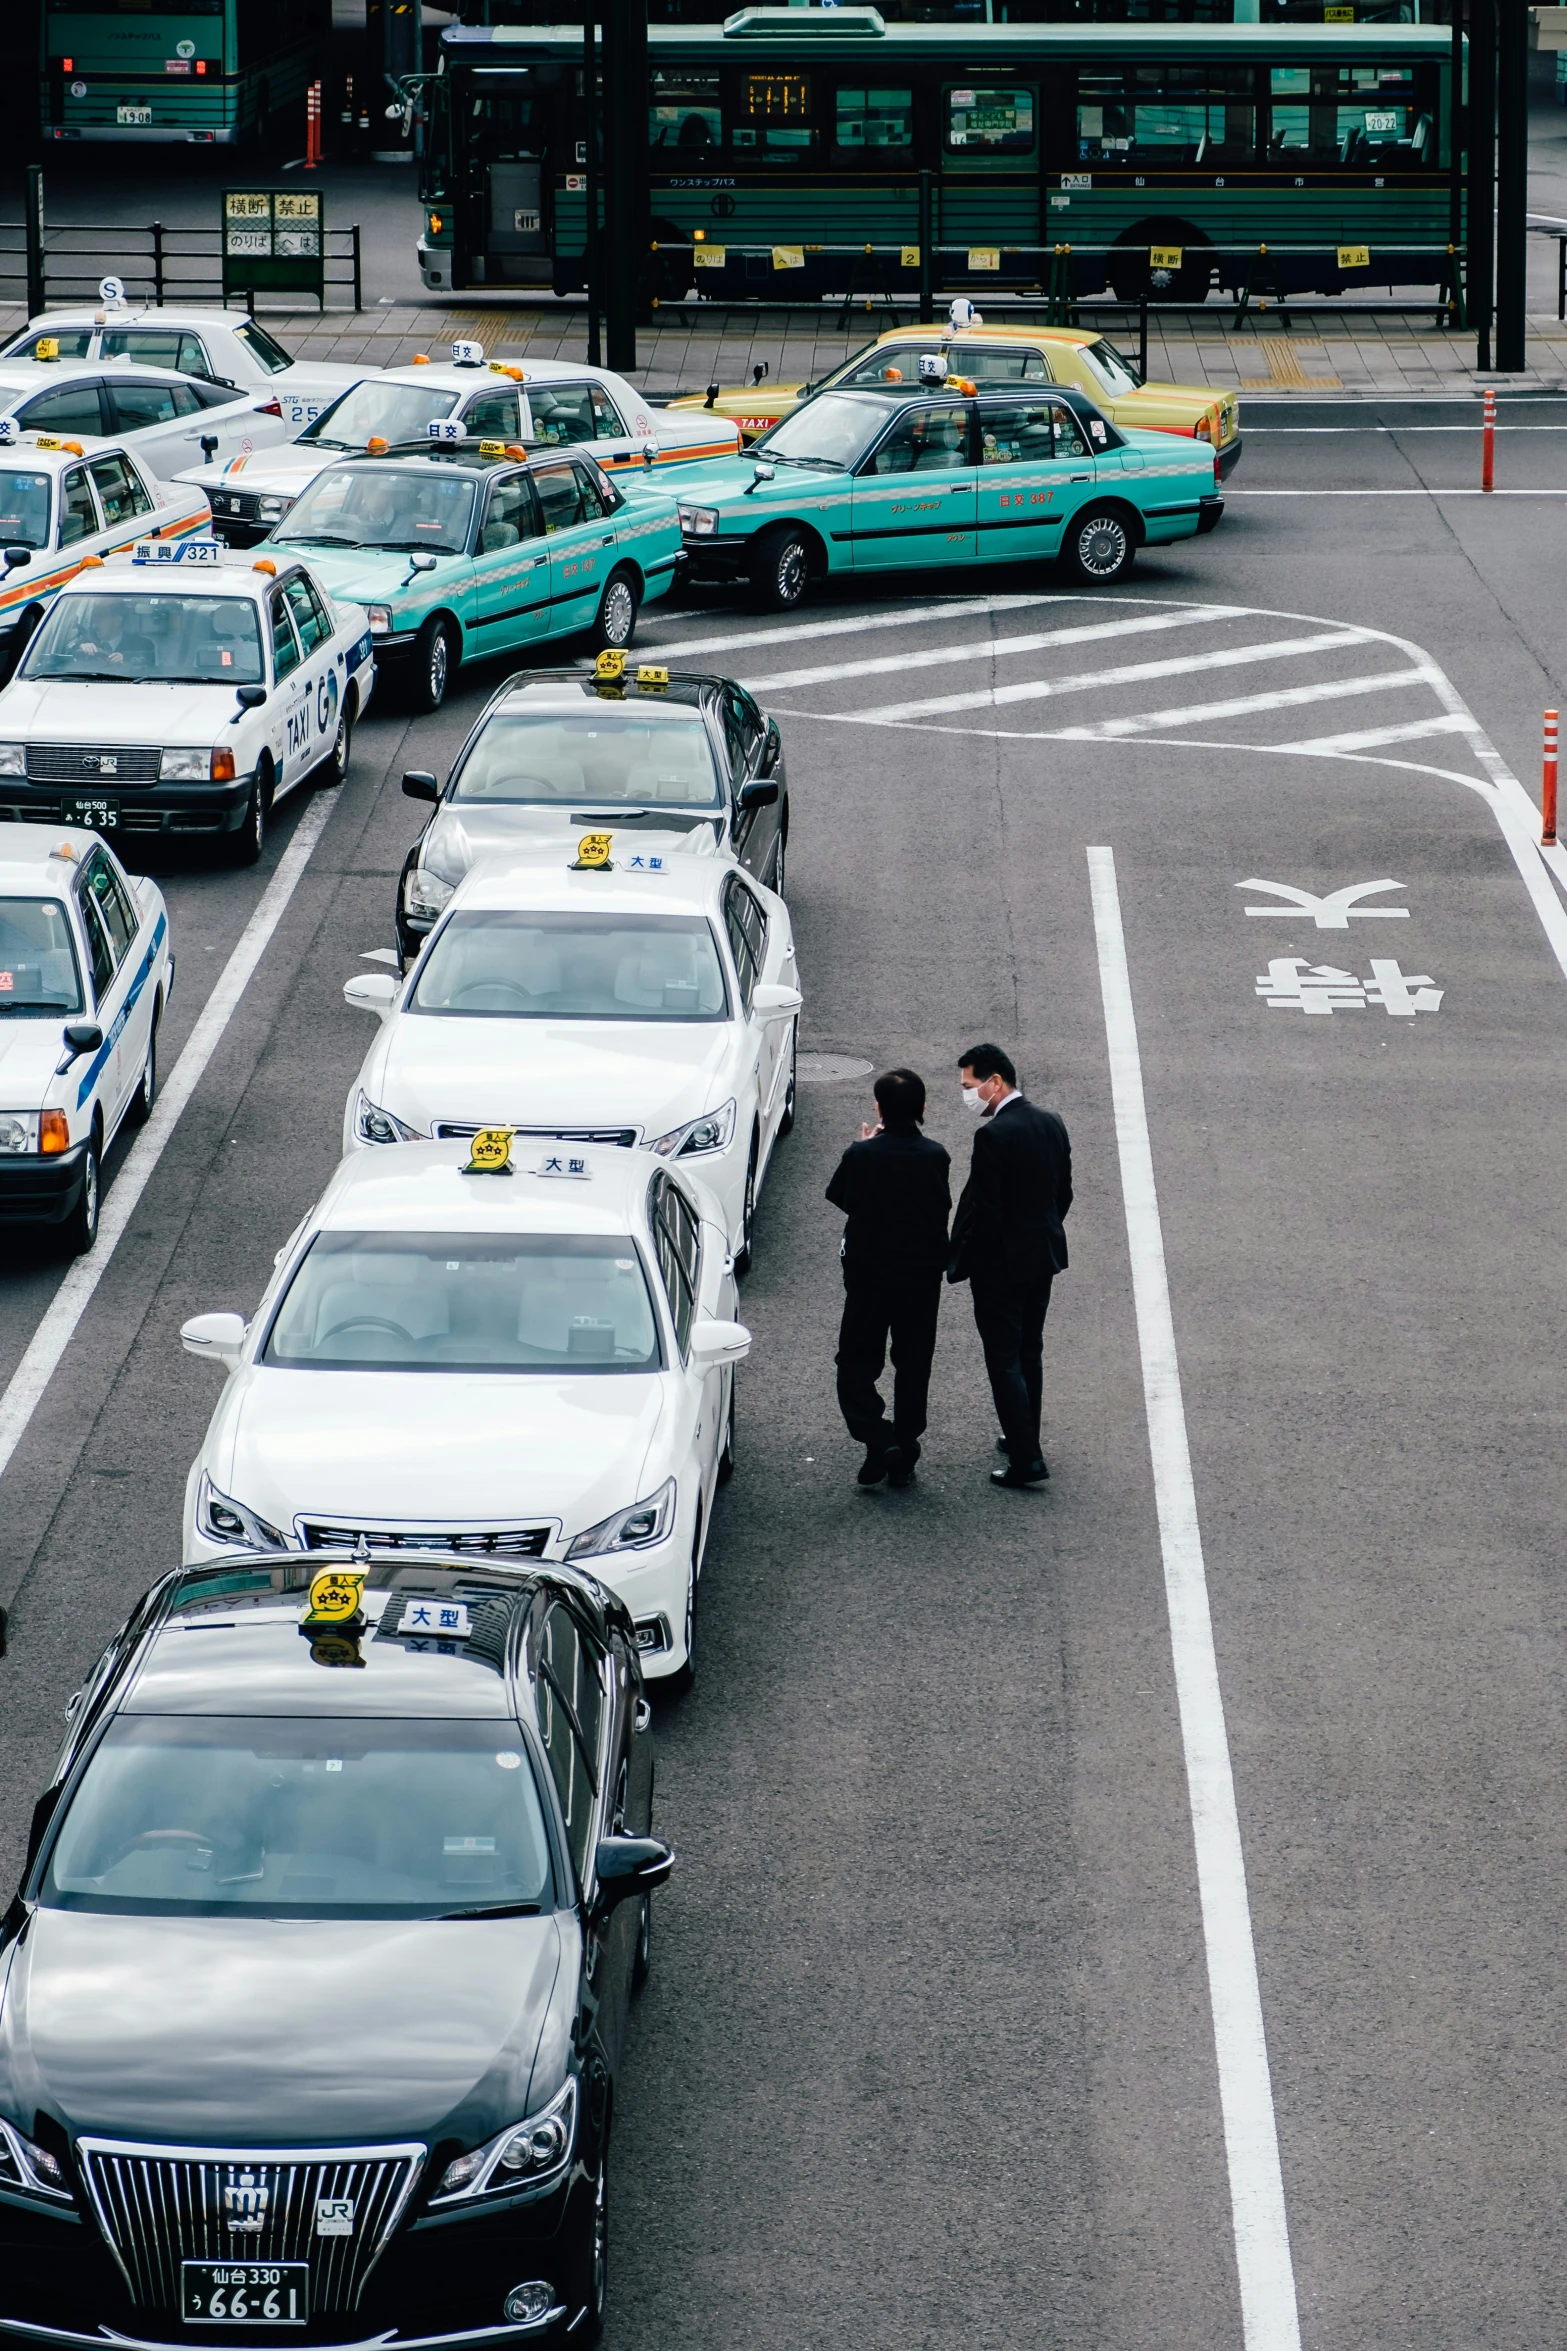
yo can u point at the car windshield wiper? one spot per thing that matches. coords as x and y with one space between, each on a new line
494 1910
832 464
11 1005
409 547
321 539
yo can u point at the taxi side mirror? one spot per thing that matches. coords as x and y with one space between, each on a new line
771 998
422 561
250 697
209 447
760 794
15 557
83 1036
625 1866
371 991
761 472
713 1343
419 784
216 1338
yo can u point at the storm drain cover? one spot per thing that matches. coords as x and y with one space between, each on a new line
830 1069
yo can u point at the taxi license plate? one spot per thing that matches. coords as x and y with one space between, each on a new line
93 816
245 2293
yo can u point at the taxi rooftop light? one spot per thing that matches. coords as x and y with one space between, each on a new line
467 355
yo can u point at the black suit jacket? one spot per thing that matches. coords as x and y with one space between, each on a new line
893 1190
1010 1221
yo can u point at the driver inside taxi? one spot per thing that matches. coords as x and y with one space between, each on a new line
110 636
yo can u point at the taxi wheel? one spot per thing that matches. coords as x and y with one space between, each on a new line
334 768
780 862
642 1956
435 657
146 1093
615 623
1100 547
81 1228
781 572
747 1215
246 845
730 1454
590 2260
786 1118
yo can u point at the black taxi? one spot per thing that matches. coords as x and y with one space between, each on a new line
313 1995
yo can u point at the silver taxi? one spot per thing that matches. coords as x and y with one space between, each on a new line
86 967
183 690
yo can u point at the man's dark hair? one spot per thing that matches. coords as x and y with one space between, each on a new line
900 1097
988 1061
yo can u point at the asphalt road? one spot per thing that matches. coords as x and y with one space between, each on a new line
929 2056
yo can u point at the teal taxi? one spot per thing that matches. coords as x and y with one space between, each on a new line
934 475
459 548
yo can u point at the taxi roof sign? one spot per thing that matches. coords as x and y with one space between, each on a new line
611 663
335 1595
176 551
652 673
467 355
490 1152
593 853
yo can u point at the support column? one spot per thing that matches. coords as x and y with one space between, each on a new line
1482 174
1512 181
627 235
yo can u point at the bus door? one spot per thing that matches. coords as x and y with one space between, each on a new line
1035 470
914 496
516 212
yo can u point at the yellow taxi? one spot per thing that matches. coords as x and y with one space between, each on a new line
992 357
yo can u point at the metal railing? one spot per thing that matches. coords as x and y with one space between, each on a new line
159 264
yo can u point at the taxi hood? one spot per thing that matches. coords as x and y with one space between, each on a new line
70 712
539 1073
30 1047
426 1449
374 575
202 2030
461 833
282 470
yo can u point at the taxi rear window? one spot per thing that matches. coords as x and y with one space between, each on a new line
592 761
172 640
207 1816
38 968
24 508
466 1302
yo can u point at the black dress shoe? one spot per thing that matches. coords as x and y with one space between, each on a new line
879 1461
1034 1475
900 1469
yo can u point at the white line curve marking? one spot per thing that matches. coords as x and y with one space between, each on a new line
969 608
985 648
1135 673
27 1384
1269 2316
1120 730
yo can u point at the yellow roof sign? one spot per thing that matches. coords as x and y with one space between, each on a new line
490 1152
335 1595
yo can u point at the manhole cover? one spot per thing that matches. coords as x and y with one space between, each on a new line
830 1069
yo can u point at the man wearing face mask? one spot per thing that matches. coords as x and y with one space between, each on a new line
1009 1243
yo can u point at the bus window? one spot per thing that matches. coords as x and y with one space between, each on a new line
1167 115
775 113
685 112
1366 117
879 119
993 121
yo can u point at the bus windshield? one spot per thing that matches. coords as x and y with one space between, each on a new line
833 430
380 411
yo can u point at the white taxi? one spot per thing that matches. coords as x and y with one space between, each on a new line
529 1360
64 503
85 972
183 690
550 401
169 421
224 347
636 995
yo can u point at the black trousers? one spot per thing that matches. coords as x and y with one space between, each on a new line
1010 1318
878 1309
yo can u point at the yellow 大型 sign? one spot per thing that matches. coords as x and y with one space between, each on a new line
1338 16
983 257
335 1595
1165 256
650 673
709 256
1354 257
593 852
788 257
490 1152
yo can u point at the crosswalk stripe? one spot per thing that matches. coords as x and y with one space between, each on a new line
1128 673
1369 738
971 608
999 648
1110 730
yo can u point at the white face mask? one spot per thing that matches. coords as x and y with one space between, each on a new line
973 1100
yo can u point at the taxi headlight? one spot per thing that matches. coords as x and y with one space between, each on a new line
269 509
16 1131
425 894
186 767
528 2154
13 759
30 2169
372 1124
629 1530
223 1520
698 522
715 1131
380 619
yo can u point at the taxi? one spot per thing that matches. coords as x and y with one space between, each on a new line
86 969
930 476
507 1350
167 420
65 502
681 759
459 549
224 347
316 1990
182 690
995 358
550 402
633 994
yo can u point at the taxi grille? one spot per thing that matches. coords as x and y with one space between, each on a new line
160 2206
88 765
452 1130
459 1543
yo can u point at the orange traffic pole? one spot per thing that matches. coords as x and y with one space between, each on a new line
1488 445
312 126
1548 785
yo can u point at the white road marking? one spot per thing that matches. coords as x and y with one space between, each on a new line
1130 673
971 608
1251 2144
1372 738
71 1300
987 648
1117 730
1333 911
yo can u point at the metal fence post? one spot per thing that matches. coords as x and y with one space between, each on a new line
927 227
35 240
359 291
1142 338
157 263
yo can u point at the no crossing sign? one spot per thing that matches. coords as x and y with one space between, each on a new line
274 241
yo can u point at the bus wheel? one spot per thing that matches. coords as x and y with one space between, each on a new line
781 569
434 660
1099 547
615 623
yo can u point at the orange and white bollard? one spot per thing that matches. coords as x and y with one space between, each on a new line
313 129
1488 445
1548 785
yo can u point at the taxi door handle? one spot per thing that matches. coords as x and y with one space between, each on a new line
608 539
1080 477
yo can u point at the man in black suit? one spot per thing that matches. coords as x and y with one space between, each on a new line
892 1186
1008 1244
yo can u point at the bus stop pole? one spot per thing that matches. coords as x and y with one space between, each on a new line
1481 237
35 240
927 258
626 229
1512 182
590 152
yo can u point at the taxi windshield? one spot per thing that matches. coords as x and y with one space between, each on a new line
24 508
38 971
494 962
158 638
301 1817
833 430
491 1302
376 506
389 412
592 761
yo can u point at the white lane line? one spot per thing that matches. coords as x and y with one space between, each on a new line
1116 730
1128 674
998 648
70 1302
1372 738
1251 2144
971 608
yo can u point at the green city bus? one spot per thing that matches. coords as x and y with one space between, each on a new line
1150 150
214 73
